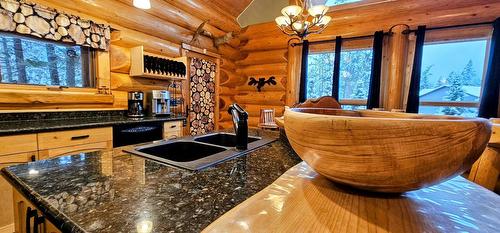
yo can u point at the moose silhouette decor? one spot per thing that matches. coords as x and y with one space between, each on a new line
261 82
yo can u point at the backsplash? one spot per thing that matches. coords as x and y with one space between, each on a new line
34 116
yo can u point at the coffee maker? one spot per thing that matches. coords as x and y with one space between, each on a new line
160 102
135 104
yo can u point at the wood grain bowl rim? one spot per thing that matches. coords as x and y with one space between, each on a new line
421 117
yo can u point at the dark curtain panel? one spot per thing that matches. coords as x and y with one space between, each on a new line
374 91
303 71
336 68
413 94
489 100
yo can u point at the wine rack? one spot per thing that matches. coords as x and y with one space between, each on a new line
148 65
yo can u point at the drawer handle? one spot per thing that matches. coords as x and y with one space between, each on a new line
33 158
80 137
172 137
173 126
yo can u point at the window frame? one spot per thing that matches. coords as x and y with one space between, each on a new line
448 36
347 45
90 61
37 98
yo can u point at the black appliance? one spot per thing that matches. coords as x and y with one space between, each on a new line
135 104
135 133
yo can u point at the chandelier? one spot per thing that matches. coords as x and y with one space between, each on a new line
296 21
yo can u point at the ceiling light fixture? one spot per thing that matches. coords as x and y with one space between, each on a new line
295 21
142 4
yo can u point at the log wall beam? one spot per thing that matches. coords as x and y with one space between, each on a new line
398 54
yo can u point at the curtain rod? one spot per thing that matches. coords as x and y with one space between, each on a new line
333 40
452 26
389 33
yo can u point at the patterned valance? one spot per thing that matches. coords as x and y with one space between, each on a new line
33 19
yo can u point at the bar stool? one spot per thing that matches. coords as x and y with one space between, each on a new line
267 119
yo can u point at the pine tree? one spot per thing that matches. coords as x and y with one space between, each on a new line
455 93
21 66
468 75
52 62
426 74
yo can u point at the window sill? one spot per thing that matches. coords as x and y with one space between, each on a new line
41 97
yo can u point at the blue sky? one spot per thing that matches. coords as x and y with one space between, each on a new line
453 57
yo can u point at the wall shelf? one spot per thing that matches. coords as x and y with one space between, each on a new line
137 66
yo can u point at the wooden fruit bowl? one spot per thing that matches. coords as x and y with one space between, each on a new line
385 151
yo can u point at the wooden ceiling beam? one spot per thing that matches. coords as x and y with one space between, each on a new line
199 9
173 14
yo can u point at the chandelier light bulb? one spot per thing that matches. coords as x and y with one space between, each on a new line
142 4
292 11
318 10
282 20
324 20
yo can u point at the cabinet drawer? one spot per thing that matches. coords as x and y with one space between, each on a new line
172 135
53 140
18 158
172 126
18 144
71 150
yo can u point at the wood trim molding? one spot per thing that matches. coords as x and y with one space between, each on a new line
199 50
34 97
449 104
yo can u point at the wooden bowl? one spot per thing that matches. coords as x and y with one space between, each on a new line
385 151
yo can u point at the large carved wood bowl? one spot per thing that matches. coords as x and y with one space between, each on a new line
385 151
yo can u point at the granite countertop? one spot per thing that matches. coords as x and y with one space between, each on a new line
44 125
119 192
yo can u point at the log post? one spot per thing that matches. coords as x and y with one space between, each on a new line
397 60
293 78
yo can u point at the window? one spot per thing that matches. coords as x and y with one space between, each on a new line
25 60
451 77
339 2
354 79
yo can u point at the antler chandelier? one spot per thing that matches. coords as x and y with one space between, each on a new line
300 22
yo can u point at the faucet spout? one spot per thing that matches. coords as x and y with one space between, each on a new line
240 123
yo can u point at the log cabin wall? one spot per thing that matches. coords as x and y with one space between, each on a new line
161 30
265 51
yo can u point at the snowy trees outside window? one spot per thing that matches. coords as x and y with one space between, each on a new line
452 72
355 70
26 60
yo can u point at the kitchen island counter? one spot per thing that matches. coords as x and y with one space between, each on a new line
119 192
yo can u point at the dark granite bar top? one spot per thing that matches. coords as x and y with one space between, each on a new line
44 125
118 192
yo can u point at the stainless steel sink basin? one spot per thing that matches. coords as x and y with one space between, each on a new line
197 153
223 139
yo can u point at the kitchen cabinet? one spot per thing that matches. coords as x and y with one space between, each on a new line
27 217
172 130
13 150
68 138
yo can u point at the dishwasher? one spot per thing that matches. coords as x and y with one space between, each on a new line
134 133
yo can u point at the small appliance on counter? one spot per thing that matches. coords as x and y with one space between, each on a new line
160 102
135 104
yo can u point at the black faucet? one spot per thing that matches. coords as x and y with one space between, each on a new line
240 123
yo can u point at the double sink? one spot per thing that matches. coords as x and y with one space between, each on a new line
199 152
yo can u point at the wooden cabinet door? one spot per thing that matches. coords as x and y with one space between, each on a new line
6 208
21 208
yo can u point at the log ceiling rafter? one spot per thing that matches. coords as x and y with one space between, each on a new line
155 23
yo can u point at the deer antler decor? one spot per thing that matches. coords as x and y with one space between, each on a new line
200 31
